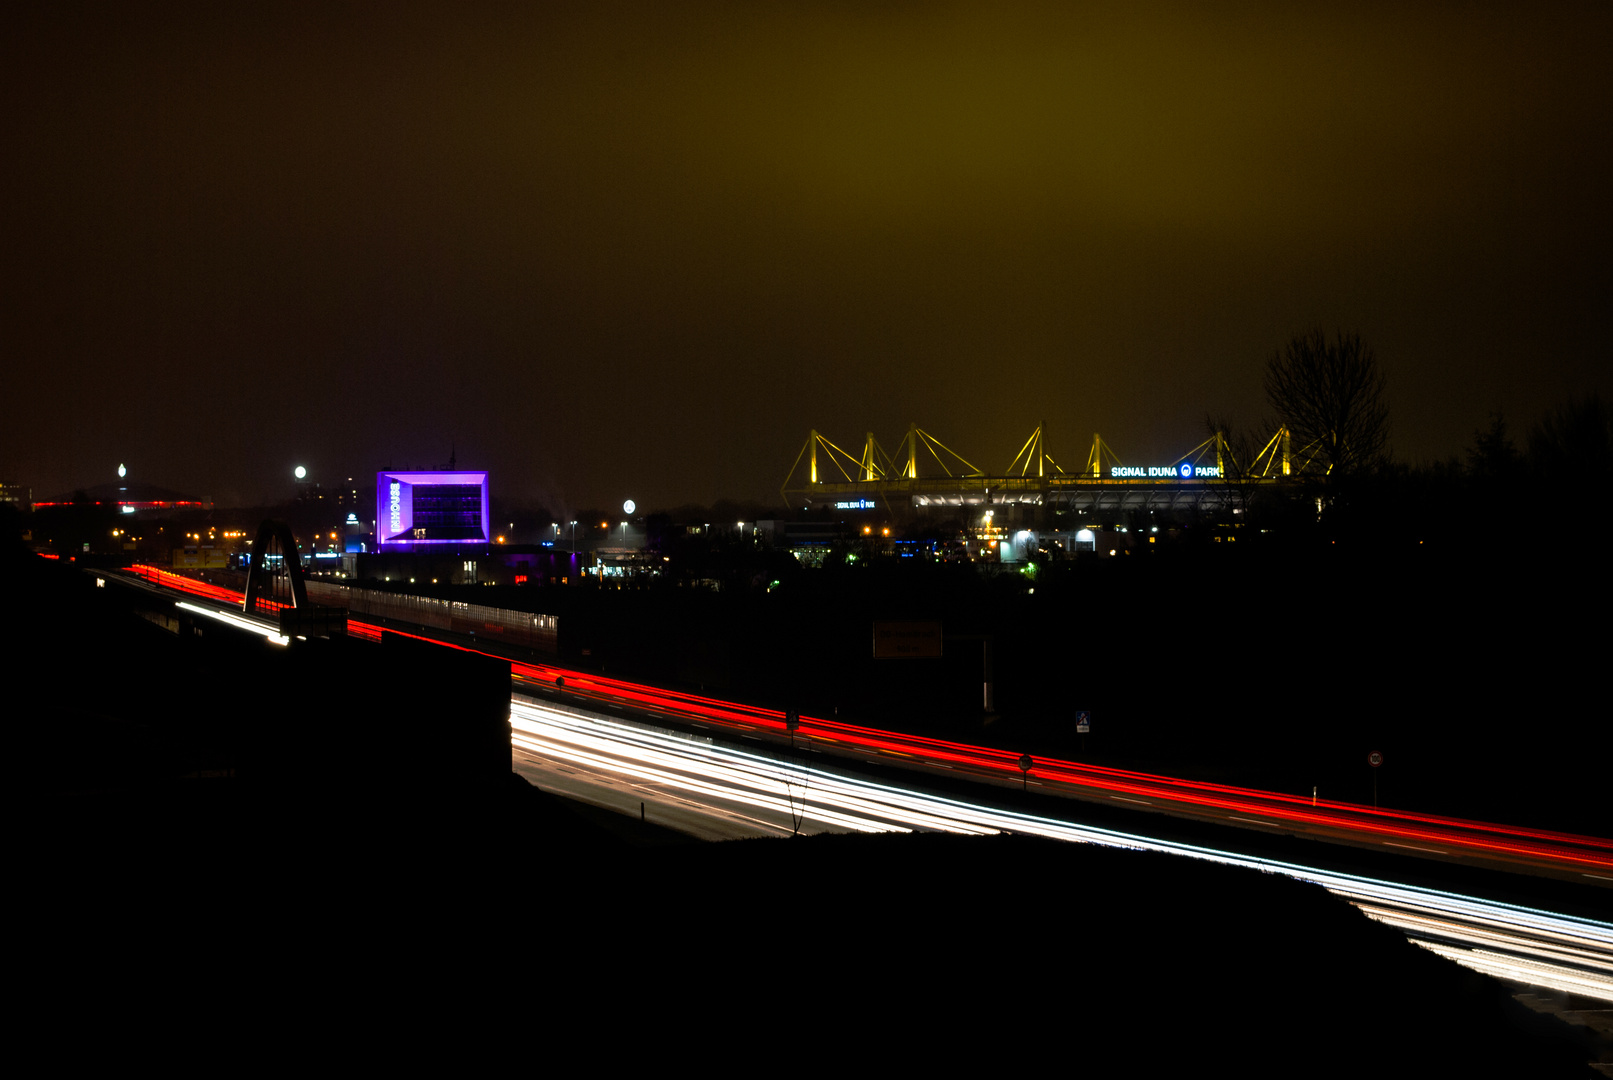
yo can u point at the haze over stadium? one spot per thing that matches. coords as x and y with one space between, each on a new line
642 248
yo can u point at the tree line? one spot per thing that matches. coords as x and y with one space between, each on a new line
1331 396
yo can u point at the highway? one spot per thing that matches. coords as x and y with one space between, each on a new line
1565 856
727 792
722 770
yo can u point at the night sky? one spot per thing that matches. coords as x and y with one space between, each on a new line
639 250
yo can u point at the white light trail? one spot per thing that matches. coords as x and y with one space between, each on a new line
1508 941
1534 973
717 771
240 622
1511 942
1515 956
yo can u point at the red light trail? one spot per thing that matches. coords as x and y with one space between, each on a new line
1540 847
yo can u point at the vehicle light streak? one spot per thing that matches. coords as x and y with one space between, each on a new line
271 633
1501 966
750 778
180 583
1509 941
735 793
1539 845
1545 961
1426 833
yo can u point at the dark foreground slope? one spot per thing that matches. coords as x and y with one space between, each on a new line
173 903
535 937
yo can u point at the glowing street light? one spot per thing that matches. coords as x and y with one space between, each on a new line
300 473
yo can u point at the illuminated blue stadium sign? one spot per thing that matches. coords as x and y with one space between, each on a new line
1185 471
855 504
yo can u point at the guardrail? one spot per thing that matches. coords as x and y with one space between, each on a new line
523 628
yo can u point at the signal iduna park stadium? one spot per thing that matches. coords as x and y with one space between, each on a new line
925 477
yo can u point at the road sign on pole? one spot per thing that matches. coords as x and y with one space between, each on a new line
1083 721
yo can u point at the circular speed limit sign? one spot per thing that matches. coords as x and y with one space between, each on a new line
1374 759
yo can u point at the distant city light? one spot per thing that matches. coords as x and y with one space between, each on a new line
300 472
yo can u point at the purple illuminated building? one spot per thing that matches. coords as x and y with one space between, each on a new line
428 510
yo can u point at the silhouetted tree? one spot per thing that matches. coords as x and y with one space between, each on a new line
1492 457
1330 394
1570 454
1573 441
1238 471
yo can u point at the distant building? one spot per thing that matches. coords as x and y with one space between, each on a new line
808 541
343 496
501 564
19 495
129 496
426 511
200 557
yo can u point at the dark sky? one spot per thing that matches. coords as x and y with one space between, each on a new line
639 250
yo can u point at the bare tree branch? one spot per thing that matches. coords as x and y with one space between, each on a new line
1331 394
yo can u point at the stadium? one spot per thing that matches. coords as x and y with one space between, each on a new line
925 478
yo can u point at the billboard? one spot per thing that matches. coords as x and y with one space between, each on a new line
431 508
907 640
